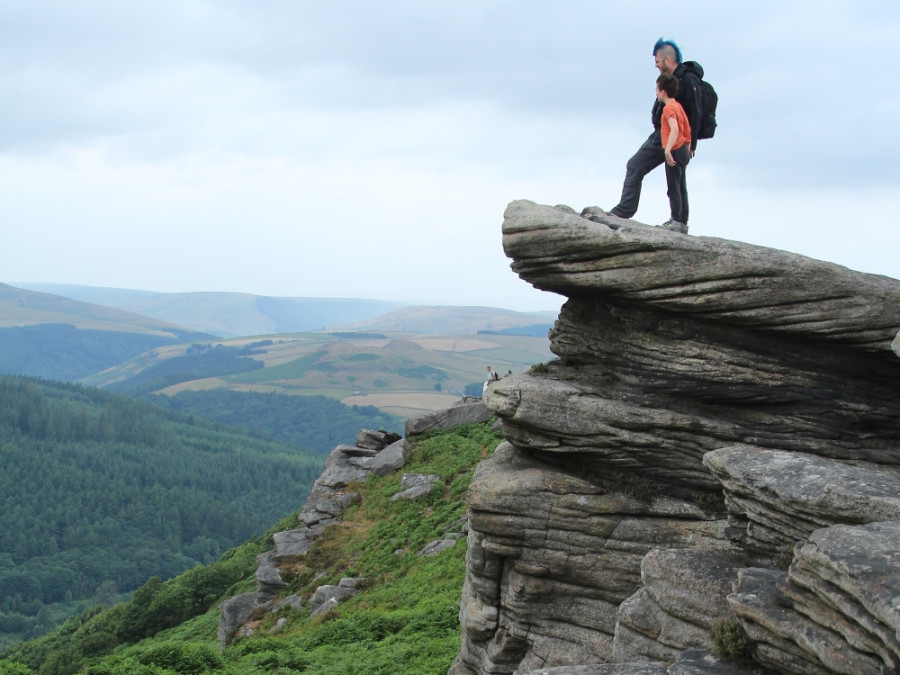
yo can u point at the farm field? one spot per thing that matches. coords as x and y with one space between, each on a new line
400 373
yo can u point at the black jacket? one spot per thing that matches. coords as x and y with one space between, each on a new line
689 75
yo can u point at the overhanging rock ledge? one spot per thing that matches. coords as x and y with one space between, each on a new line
644 498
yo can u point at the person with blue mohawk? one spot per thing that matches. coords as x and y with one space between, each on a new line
650 155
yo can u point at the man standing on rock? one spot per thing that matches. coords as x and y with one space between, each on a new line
650 155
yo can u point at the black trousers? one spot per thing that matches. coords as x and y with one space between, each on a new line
677 184
649 156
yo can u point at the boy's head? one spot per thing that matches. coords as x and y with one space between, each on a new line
667 85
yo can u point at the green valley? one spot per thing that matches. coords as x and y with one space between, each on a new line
405 622
100 492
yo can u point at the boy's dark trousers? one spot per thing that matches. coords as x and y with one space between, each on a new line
677 183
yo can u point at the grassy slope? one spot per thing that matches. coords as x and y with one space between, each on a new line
406 622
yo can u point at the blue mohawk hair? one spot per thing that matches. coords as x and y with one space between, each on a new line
667 43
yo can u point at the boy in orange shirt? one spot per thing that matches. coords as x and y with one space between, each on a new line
676 141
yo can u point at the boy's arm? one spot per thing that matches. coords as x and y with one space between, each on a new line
670 141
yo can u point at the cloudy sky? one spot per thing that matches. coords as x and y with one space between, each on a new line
361 149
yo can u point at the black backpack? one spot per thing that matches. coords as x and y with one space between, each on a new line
709 99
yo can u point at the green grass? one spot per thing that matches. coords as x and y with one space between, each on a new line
406 621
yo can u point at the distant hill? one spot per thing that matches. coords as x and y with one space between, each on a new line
45 335
228 314
23 307
450 320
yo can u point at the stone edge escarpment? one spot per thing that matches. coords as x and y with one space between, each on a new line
711 465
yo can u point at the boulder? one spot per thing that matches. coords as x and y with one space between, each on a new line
392 458
682 597
268 578
328 596
375 440
437 546
785 496
469 412
291 543
837 609
416 486
234 613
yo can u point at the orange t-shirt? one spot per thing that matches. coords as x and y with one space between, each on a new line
673 109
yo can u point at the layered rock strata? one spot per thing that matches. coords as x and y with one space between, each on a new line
690 369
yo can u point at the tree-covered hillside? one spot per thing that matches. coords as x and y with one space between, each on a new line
98 492
406 621
61 351
315 422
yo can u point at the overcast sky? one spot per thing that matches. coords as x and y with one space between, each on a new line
361 149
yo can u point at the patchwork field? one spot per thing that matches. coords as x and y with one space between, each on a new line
400 373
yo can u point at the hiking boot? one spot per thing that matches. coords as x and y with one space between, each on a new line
675 226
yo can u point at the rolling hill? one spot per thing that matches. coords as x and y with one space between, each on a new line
228 314
244 314
45 335
451 320
23 307
400 373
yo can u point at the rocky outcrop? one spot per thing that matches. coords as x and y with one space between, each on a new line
780 497
328 597
375 452
718 411
682 597
469 410
837 609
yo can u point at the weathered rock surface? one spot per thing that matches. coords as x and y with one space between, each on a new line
782 497
607 669
468 411
268 578
235 612
557 250
328 597
417 485
551 556
390 459
689 368
692 662
682 597
837 609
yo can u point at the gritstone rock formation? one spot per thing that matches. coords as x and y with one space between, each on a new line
719 412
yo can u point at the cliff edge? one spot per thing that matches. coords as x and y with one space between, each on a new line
711 465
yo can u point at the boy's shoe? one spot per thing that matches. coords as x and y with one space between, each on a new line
675 226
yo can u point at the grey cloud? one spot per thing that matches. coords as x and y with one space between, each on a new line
798 92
